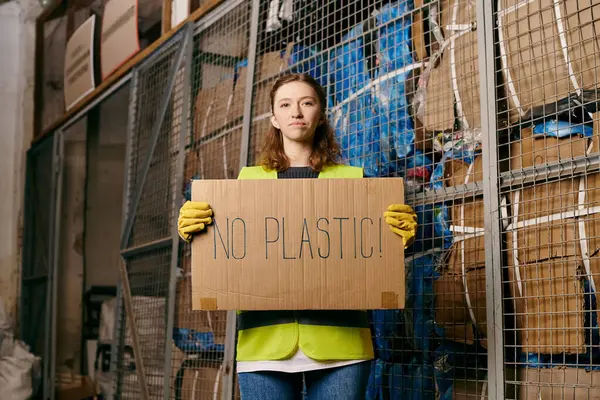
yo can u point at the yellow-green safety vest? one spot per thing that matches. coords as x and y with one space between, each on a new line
322 335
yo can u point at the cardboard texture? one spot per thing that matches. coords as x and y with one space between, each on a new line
466 256
558 383
257 137
239 94
119 37
270 64
469 390
307 244
260 105
198 320
219 158
213 108
418 32
466 58
202 111
452 307
80 69
456 78
439 105
540 44
219 114
545 254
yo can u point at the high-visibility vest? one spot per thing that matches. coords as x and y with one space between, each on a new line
322 335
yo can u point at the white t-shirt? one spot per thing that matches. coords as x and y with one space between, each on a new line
299 362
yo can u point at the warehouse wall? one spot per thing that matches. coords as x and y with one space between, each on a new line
17 43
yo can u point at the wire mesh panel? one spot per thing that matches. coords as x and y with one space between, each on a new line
403 98
152 182
212 152
547 78
37 265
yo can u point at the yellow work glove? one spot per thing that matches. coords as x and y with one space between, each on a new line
402 221
193 218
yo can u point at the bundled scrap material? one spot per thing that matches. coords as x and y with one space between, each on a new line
20 371
558 55
460 296
370 107
450 81
552 246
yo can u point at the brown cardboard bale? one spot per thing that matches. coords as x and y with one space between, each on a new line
257 137
458 172
218 116
468 214
200 321
202 110
545 239
454 304
270 64
536 64
439 104
558 384
262 101
219 158
534 150
549 310
466 256
466 60
547 246
239 95
469 390
198 382
191 165
298 252
456 79
418 32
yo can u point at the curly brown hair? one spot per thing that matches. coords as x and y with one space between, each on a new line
326 150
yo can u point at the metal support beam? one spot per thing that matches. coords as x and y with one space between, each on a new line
188 49
493 251
231 329
52 286
566 168
118 339
160 116
248 95
147 247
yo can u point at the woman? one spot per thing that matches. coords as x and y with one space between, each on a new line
276 349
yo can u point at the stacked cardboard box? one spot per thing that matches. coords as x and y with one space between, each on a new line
460 291
550 248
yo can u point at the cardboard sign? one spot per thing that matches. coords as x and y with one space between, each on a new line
298 244
80 72
120 38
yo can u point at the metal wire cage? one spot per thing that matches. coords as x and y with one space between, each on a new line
488 111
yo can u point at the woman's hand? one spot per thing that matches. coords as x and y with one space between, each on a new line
193 218
402 221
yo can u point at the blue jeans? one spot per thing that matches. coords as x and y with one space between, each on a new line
343 383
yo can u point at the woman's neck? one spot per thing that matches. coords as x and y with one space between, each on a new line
298 153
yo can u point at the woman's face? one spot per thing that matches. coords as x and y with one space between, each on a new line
296 112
